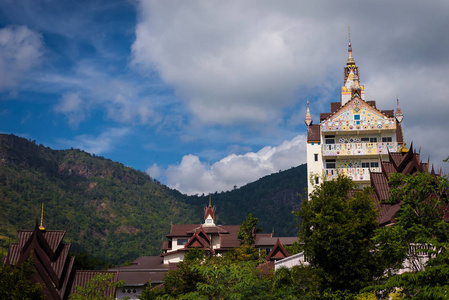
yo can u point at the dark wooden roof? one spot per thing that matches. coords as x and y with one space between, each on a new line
144 263
141 278
324 116
52 262
372 103
229 241
388 113
51 258
271 241
313 134
335 106
400 162
399 133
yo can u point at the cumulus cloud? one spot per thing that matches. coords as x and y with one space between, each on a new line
231 63
246 63
154 171
192 176
21 50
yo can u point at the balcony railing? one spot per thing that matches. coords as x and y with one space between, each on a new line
359 148
356 174
343 125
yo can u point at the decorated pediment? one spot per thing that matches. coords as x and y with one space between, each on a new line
199 240
357 115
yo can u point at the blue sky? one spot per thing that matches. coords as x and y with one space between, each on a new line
205 95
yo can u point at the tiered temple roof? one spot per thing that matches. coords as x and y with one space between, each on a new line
52 262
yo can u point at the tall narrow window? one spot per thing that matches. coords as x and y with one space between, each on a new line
317 180
316 156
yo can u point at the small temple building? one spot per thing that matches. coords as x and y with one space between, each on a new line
208 236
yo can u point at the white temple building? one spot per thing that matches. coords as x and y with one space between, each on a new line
354 137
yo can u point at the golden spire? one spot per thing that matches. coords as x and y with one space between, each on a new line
41 227
350 58
210 203
308 120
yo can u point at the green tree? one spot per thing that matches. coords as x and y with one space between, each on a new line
96 288
337 231
16 282
419 222
248 230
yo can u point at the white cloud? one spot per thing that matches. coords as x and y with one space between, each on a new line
21 50
73 107
192 176
229 62
103 143
154 171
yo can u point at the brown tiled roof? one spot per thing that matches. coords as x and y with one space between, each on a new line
388 113
181 230
335 106
271 241
209 229
230 240
388 168
144 263
51 259
82 277
395 158
53 237
380 183
387 213
399 135
324 116
405 163
141 278
372 103
262 235
313 133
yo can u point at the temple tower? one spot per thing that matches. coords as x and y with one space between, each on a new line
354 137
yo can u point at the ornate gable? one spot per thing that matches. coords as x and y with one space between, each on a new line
356 114
278 252
199 240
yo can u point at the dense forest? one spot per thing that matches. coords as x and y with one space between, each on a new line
116 213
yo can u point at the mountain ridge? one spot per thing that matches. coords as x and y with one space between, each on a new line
117 213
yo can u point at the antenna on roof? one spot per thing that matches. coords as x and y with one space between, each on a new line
41 227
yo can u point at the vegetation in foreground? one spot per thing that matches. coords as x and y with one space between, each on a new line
350 257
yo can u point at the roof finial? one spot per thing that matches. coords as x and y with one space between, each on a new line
308 120
349 35
399 115
210 203
41 227
350 58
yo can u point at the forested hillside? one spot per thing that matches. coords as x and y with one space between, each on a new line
117 213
